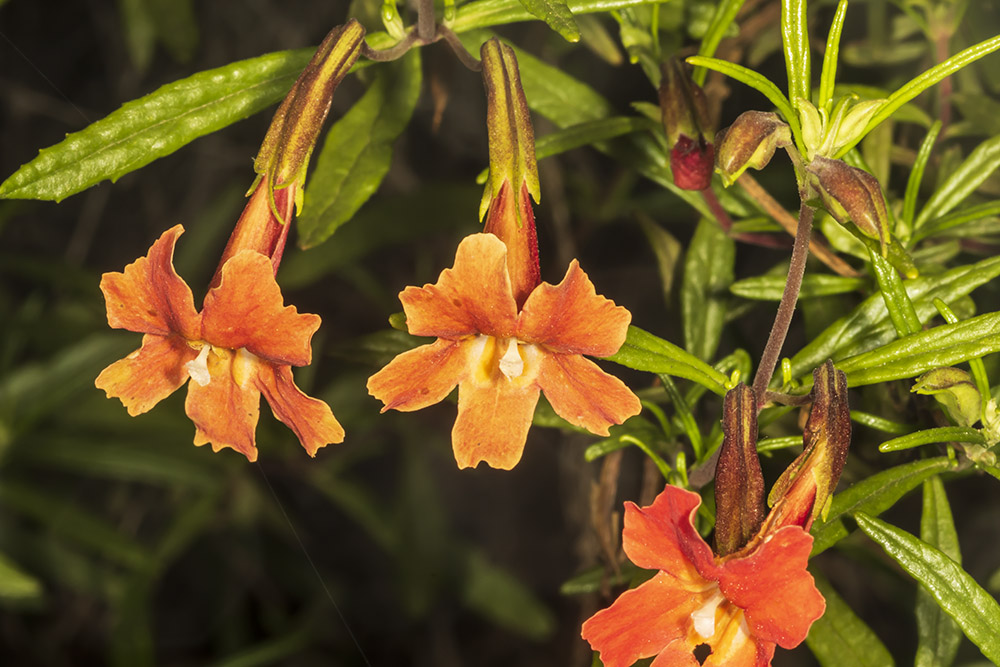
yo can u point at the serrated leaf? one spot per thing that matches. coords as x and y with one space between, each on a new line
358 149
874 495
708 273
156 125
975 611
938 636
645 352
839 637
770 288
869 325
556 14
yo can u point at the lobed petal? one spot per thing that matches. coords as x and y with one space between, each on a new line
733 646
422 376
773 587
311 419
149 297
648 620
572 319
247 311
472 297
224 412
148 375
584 395
662 536
493 421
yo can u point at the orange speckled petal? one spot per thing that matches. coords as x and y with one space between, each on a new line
645 621
148 375
422 376
493 421
472 297
149 297
572 319
225 413
310 418
247 310
584 395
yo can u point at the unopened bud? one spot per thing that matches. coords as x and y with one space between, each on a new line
851 194
749 142
955 390
685 119
739 482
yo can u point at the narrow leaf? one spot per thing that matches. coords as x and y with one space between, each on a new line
358 149
498 595
645 352
828 76
795 42
16 585
839 637
963 181
725 14
958 218
932 435
913 182
156 125
938 636
708 273
483 13
770 287
975 611
897 301
556 14
874 495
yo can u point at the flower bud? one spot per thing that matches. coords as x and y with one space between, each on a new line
805 489
739 482
851 194
513 179
685 117
955 390
749 142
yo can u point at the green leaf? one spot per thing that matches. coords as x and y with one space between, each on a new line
869 325
938 636
874 495
932 435
358 149
591 132
839 637
986 211
924 81
503 599
770 287
795 43
904 225
975 611
483 13
963 181
156 125
897 301
946 345
16 585
556 14
725 15
668 253
645 352
828 76
708 273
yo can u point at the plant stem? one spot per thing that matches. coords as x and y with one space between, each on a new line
796 269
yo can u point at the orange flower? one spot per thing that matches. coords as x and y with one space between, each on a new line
241 345
501 357
741 606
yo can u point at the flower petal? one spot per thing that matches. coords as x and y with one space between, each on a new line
733 646
148 375
149 297
774 588
493 420
311 419
422 376
643 622
470 298
224 413
571 318
584 395
247 310
662 536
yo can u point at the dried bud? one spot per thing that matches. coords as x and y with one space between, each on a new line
739 482
955 390
685 119
849 193
749 142
805 489
513 179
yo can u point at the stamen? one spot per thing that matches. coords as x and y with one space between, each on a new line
511 364
198 368
704 616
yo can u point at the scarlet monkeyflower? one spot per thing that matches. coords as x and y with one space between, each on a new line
740 605
501 356
244 341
